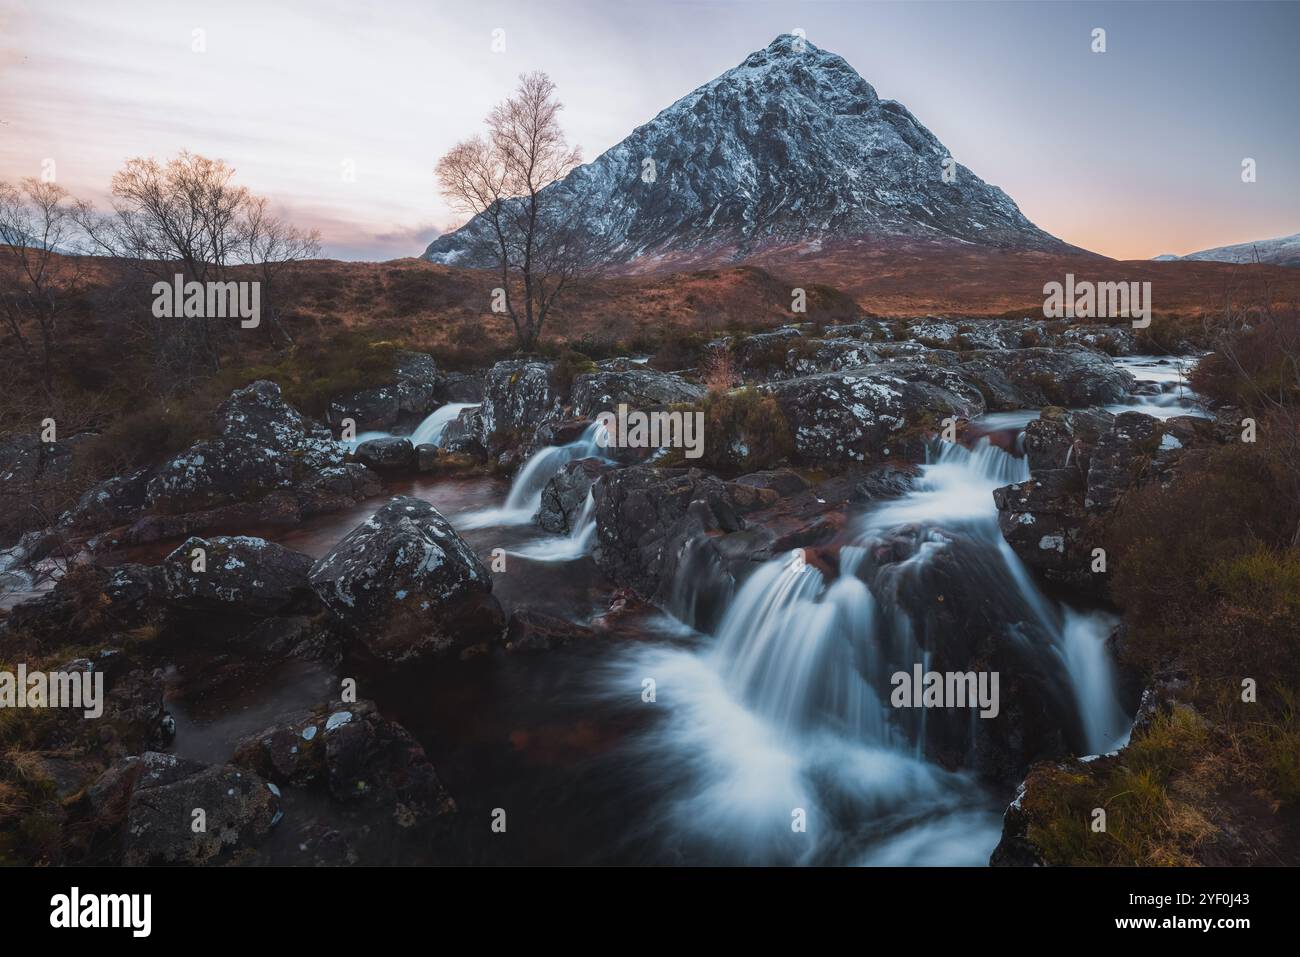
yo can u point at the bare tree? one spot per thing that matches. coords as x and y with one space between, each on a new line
188 216
273 245
38 272
533 230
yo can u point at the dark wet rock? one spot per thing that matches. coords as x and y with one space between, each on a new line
1119 458
264 445
1035 377
463 434
529 631
517 397
258 413
886 482
386 455
418 383
645 516
1061 438
1043 520
426 457
335 488
217 472
239 809
114 501
241 575
1015 849
460 387
408 587
639 388
361 759
561 431
860 414
564 498
370 410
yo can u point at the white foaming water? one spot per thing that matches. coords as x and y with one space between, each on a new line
525 496
429 431
781 710
1169 375
569 547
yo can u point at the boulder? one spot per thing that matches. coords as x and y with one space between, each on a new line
418 383
408 587
217 472
1043 521
387 454
564 498
639 388
1119 457
241 575
517 398
264 445
337 487
239 809
258 413
646 516
1039 376
114 501
861 414
1060 437
371 410
811 356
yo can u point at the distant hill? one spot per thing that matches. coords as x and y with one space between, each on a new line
1283 251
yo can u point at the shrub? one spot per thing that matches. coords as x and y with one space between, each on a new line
568 367
744 431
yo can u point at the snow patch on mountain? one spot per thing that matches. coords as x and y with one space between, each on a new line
790 146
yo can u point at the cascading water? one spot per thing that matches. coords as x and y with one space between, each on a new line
784 711
574 545
525 496
429 431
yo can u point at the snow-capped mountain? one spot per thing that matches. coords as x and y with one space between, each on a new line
791 145
1283 251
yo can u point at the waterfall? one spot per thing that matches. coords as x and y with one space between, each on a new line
525 496
574 545
430 430
783 708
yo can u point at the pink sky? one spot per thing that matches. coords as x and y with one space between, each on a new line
1132 153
